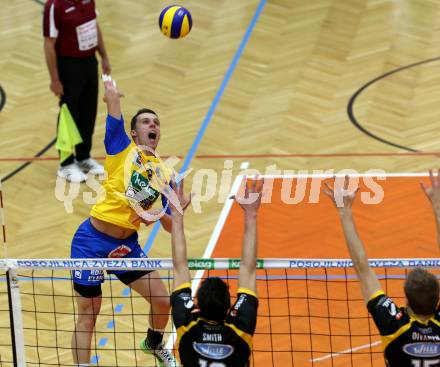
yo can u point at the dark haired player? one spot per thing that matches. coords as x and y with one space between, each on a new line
411 334
131 189
213 334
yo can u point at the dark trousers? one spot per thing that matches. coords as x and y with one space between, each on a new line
79 77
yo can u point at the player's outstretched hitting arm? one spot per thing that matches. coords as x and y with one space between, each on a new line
178 240
433 194
250 203
368 279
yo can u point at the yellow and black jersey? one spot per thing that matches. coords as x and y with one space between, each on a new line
202 342
407 341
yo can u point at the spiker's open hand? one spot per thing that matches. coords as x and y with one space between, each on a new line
339 193
111 93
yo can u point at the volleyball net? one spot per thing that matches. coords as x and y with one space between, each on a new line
311 312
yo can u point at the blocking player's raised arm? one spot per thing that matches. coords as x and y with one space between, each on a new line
368 279
178 202
433 194
250 204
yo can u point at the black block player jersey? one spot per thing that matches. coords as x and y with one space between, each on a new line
407 341
205 343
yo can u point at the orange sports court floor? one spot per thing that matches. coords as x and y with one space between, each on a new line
317 309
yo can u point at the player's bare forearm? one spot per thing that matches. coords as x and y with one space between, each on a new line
367 277
101 45
436 209
105 63
249 252
112 97
114 109
178 242
437 222
51 58
433 194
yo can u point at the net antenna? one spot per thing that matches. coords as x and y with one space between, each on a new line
15 314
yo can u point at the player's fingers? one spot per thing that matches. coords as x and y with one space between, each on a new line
188 200
329 193
328 189
431 177
354 192
172 184
254 183
424 188
346 182
261 184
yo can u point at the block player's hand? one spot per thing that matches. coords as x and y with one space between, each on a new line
340 195
177 200
433 192
250 201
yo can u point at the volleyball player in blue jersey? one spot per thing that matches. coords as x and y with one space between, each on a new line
133 186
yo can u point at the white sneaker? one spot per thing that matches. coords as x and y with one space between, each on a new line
71 173
164 357
89 165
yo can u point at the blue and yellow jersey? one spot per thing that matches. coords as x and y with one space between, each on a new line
407 341
202 342
133 181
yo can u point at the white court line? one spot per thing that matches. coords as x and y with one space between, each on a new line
346 351
211 244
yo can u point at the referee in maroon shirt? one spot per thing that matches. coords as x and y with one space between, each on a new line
71 39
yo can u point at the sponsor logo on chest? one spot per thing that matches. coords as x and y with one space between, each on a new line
422 350
213 351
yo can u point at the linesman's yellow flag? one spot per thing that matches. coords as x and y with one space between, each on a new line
68 134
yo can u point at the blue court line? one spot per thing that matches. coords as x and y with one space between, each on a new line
193 149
